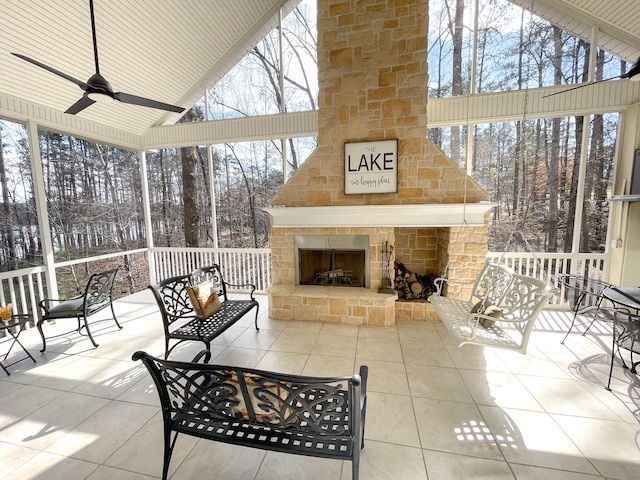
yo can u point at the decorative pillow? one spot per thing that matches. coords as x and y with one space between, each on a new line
485 307
204 299
267 401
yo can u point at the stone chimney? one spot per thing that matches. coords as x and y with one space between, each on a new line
372 70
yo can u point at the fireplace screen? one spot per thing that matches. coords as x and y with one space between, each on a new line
332 260
332 267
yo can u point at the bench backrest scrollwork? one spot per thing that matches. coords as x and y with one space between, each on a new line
224 393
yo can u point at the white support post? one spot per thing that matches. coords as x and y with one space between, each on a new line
146 208
41 209
584 154
212 194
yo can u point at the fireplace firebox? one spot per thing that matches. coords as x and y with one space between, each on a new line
332 260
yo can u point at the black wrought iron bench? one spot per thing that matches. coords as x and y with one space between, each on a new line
180 319
97 295
313 416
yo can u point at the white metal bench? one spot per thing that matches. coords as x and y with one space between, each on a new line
520 299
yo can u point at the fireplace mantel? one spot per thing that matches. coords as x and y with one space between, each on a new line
415 215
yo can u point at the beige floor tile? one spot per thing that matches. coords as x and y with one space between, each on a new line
114 378
610 446
239 357
283 362
294 341
23 401
390 418
46 465
533 363
228 336
473 357
143 452
286 466
108 473
384 461
143 391
13 456
567 397
386 377
454 427
533 438
387 333
499 389
320 365
448 466
339 329
7 387
260 340
63 372
99 436
375 348
44 426
220 461
527 472
438 383
312 328
335 346
420 353
424 331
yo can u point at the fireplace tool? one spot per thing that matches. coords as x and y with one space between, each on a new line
387 284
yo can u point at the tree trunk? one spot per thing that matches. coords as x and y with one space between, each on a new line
189 197
456 79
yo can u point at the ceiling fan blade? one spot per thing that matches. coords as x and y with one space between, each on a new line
82 85
146 102
80 105
633 71
582 85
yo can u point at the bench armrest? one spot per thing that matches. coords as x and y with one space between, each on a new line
440 281
244 286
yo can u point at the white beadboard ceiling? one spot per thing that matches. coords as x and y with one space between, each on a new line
617 21
168 50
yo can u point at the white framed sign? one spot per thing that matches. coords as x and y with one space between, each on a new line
371 167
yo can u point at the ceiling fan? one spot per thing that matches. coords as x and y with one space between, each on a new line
633 74
97 89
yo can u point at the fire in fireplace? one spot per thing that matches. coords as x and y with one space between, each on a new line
332 260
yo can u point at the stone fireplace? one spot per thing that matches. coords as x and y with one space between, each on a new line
372 75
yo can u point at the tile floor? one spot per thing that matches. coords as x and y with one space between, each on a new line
435 412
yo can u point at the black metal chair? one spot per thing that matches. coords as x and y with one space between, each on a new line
97 296
626 335
584 296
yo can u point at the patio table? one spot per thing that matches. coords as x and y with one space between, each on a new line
623 296
13 327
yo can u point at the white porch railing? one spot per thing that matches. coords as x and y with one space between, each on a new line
25 288
238 265
545 265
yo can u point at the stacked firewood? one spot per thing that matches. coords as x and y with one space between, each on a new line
412 286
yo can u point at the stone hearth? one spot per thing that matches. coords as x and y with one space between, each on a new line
372 75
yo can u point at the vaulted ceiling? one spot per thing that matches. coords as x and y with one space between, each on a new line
159 49
170 50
